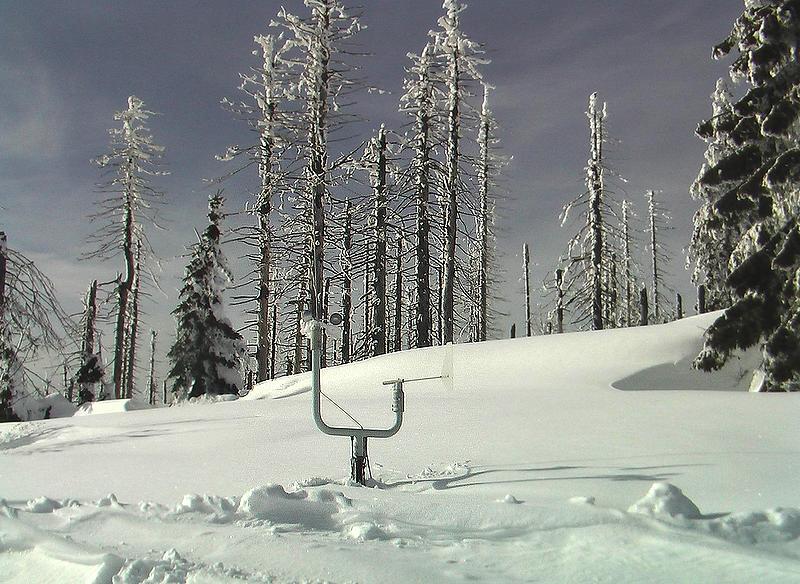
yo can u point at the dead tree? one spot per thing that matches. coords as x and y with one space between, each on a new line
131 201
133 327
398 294
526 260
347 282
378 329
419 102
589 252
658 221
461 61
151 372
268 87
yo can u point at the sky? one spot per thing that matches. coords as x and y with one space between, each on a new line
66 67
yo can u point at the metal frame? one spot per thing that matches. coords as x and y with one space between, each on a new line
358 435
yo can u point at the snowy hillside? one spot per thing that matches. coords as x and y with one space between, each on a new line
552 459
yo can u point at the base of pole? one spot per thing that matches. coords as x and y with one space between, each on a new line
358 460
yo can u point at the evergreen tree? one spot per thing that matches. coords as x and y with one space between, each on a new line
207 350
714 234
760 178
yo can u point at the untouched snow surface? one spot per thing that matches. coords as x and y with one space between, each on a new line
586 457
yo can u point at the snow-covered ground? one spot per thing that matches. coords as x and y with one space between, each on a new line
586 457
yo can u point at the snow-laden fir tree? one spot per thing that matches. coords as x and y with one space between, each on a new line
714 234
207 351
131 202
760 178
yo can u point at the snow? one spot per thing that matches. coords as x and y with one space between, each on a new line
569 458
666 499
111 406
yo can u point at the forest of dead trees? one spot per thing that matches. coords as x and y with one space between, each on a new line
395 231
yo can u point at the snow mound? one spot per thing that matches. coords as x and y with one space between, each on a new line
46 505
313 510
111 406
219 509
771 526
366 531
39 557
109 500
54 405
666 499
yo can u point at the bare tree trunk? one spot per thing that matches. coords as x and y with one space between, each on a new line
379 328
267 104
451 210
483 221
367 302
596 228
347 283
87 346
298 334
423 305
526 259
654 255
440 319
643 308
325 300
263 340
560 301
3 264
701 299
611 292
318 163
274 343
627 262
678 306
123 291
398 295
151 373
410 319
133 330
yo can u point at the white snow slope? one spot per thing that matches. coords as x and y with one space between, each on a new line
586 457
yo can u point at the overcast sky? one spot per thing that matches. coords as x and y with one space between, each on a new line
66 67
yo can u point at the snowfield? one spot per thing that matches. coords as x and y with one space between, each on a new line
583 457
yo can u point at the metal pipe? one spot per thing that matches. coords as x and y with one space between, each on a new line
398 398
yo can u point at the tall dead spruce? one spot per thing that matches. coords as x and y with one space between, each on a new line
268 88
589 257
460 59
131 202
